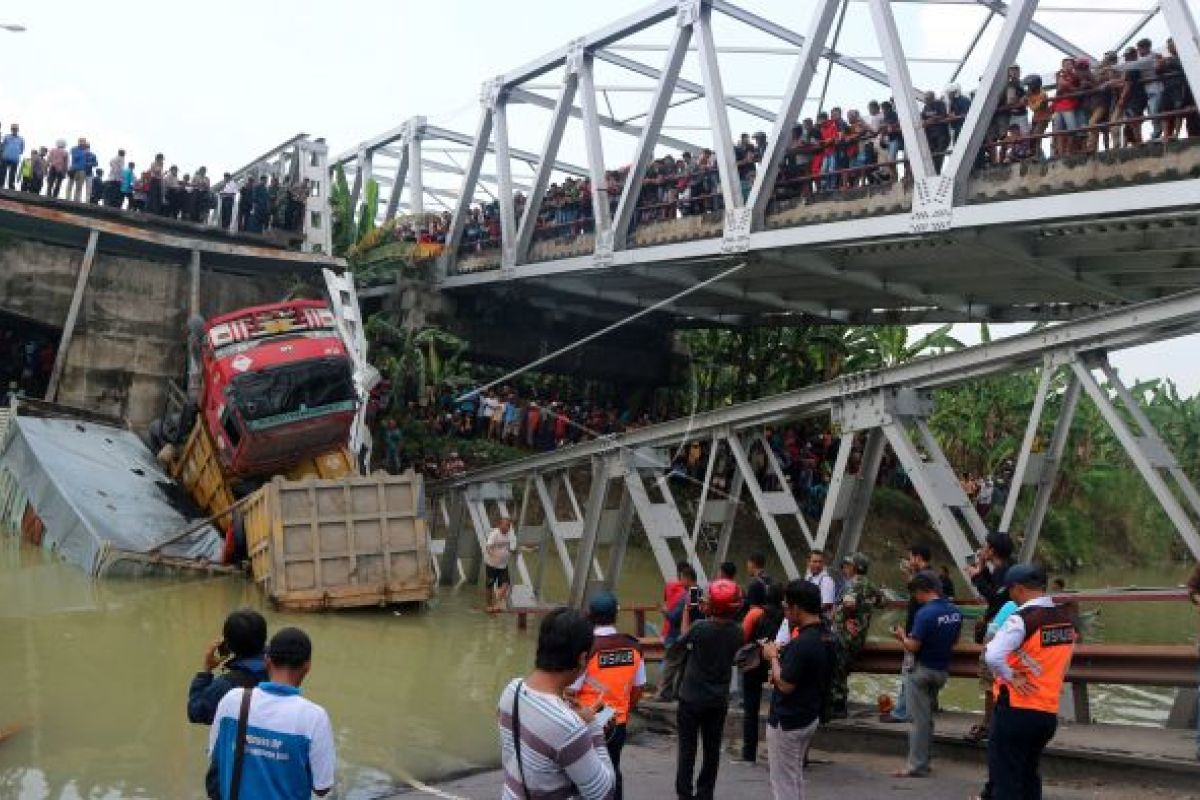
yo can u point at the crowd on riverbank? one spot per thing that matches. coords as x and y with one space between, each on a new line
1123 100
263 202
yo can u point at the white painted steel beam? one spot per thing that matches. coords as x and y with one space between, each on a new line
504 189
766 510
554 134
1049 368
961 160
793 38
1048 475
393 203
794 95
483 135
1134 446
601 218
682 84
1042 32
916 146
529 98
632 190
718 116
1182 26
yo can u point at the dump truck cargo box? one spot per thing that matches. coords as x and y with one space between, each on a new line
340 543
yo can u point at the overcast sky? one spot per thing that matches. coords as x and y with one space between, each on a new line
216 83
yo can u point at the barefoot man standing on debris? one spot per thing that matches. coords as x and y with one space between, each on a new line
497 550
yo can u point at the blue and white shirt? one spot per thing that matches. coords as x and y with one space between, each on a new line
289 744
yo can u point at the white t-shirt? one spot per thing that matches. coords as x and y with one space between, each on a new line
498 548
825 583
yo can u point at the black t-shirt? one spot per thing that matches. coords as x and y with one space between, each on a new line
804 663
711 646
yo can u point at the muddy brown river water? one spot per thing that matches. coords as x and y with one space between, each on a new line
95 675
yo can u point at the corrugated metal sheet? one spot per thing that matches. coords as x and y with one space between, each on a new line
98 488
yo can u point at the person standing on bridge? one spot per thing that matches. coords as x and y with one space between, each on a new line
935 629
10 157
710 646
112 187
615 676
1029 656
227 193
987 573
799 675
58 159
851 620
83 161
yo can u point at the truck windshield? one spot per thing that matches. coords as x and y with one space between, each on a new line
294 391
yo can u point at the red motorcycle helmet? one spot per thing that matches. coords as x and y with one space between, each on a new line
724 598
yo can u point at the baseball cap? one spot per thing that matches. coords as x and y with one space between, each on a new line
1025 575
603 604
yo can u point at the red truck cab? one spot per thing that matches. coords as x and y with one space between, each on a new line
278 386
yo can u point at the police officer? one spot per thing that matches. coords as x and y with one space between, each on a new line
615 675
1029 656
851 619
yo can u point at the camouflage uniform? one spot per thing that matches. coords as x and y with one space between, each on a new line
858 602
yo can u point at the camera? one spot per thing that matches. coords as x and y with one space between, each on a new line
694 595
223 651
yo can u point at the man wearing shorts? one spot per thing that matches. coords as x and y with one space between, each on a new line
497 550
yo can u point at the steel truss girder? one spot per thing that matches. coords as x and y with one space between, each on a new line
794 96
661 522
770 504
1144 323
849 497
1144 447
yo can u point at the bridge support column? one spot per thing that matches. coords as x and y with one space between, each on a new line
1144 447
64 344
895 412
661 521
733 501
456 520
850 500
602 474
1048 463
770 503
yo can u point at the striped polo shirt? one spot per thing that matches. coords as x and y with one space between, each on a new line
563 756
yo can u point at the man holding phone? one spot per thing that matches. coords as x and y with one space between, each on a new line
240 652
935 629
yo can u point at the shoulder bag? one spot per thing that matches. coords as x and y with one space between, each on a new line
239 748
516 734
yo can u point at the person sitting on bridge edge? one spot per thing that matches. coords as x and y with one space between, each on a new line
710 646
615 676
1029 656
935 629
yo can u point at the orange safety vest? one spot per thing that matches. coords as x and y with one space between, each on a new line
1043 658
613 664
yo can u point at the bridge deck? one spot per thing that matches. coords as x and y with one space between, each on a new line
137 235
1035 241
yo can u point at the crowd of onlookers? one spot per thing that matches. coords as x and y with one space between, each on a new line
1084 108
261 202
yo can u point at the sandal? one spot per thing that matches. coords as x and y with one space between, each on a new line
977 735
909 773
